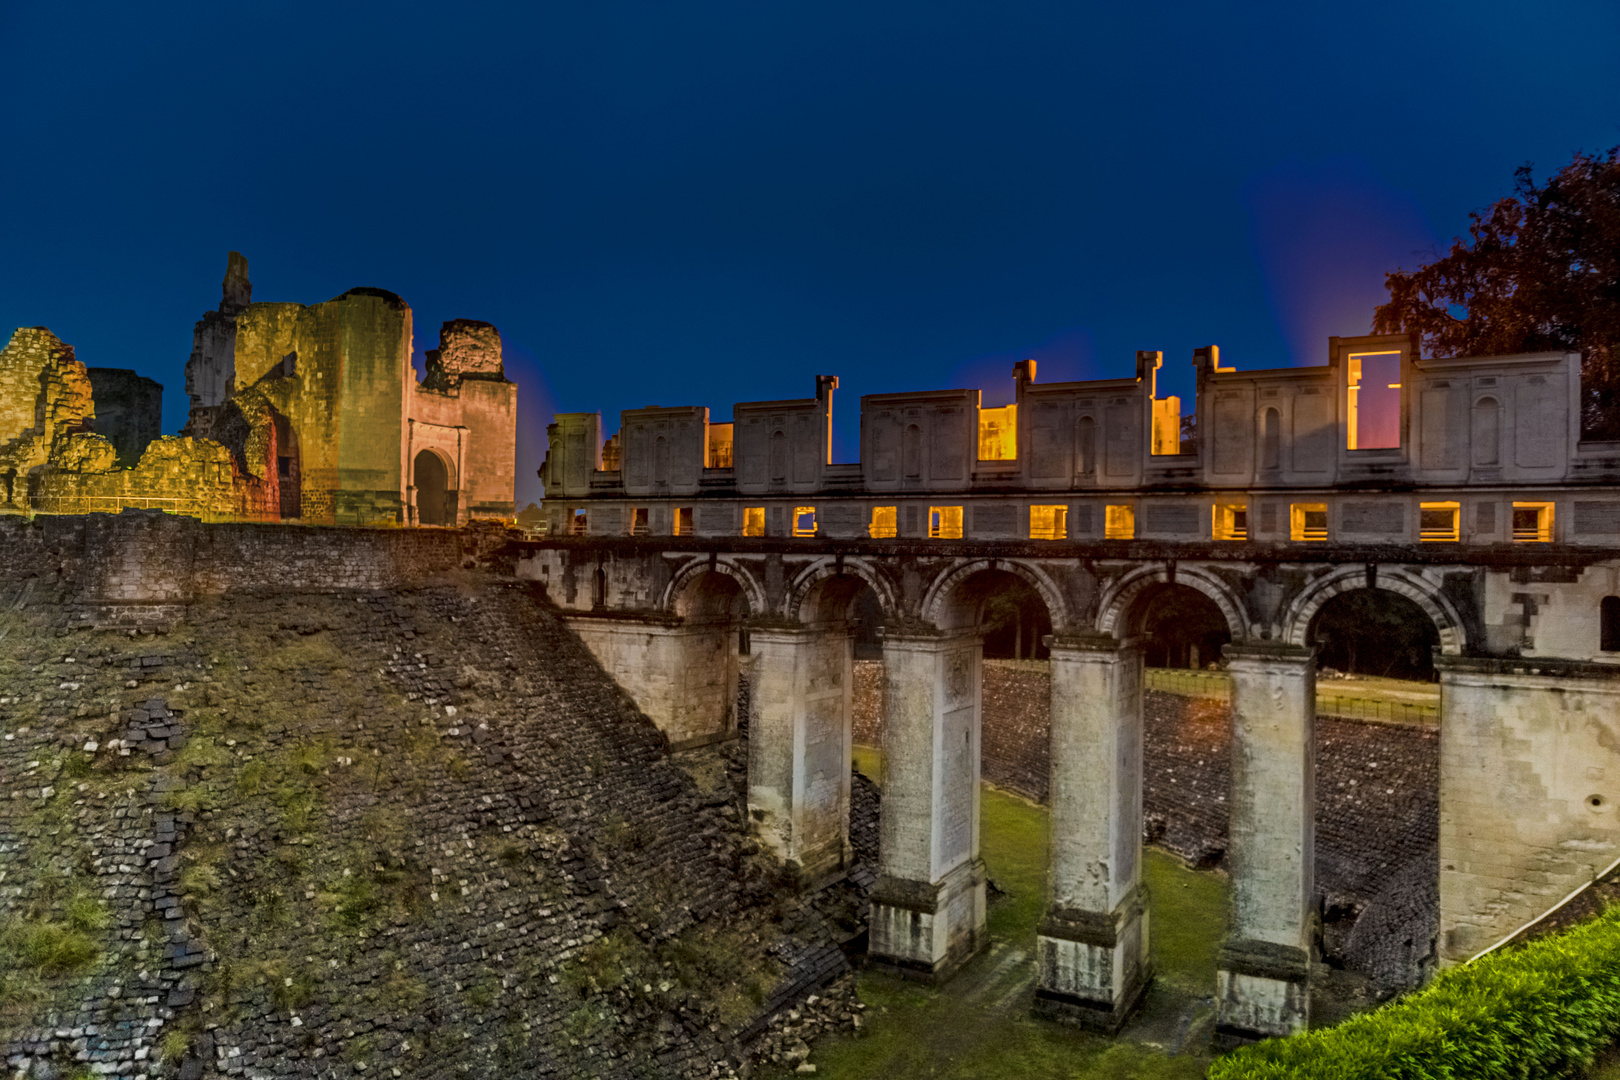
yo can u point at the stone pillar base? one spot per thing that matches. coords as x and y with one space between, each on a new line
927 931
1262 991
1092 967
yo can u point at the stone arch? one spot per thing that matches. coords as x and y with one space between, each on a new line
688 575
806 581
1118 599
1296 618
935 601
434 480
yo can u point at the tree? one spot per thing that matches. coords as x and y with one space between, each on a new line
1540 272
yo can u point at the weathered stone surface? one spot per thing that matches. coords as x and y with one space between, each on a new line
411 829
129 410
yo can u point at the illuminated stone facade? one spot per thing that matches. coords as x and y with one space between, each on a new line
308 413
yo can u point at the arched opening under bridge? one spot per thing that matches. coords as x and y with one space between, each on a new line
1374 632
1180 627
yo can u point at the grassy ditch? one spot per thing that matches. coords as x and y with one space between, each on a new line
978 1025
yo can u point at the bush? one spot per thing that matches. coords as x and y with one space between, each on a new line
1544 1009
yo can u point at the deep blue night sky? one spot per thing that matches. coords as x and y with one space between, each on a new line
703 203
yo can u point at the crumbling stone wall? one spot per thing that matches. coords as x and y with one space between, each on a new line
366 831
466 410
129 410
179 474
46 410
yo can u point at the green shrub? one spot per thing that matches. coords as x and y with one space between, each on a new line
1544 1009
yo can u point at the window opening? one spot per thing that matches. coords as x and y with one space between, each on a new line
945 522
998 434
639 525
576 527
1119 523
1439 521
744 645
599 588
1308 521
1166 426
1532 522
804 521
719 447
1374 395
1086 446
1230 521
1609 611
753 521
683 521
885 523
1049 523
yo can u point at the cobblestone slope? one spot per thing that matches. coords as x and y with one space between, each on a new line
411 833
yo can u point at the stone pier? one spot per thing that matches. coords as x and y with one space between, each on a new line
928 906
1262 984
799 745
683 675
1092 949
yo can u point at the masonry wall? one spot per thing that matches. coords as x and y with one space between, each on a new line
1531 768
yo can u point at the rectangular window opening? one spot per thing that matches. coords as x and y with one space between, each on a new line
945 522
576 525
1049 523
639 522
1532 522
753 521
1373 420
998 434
1230 521
1308 521
1166 426
683 521
1439 521
1119 523
718 452
804 521
885 523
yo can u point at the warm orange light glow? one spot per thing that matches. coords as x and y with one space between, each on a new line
638 521
885 523
1308 521
1438 521
1119 523
1230 521
804 521
1533 522
945 522
1167 425
683 521
754 521
718 455
998 434
1049 523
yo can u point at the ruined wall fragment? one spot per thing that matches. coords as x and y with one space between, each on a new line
129 410
46 405
465 412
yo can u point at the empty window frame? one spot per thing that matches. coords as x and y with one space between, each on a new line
1609 618
1439 521
1230 521
945 522
640 523
576 524
753 521
1533 522
1119 522
1308 521
1374 397
717 453
998 434
1049 523
885 523
804 521
683 521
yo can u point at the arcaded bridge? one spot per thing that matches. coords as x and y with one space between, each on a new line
692 555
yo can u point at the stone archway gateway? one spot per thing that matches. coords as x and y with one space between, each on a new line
435 502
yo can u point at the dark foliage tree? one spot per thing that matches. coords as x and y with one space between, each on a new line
1541 271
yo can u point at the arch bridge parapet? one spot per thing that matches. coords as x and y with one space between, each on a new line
688 575
1421 587
1120 596
940 598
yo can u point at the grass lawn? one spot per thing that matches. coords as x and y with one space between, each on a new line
978 1025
